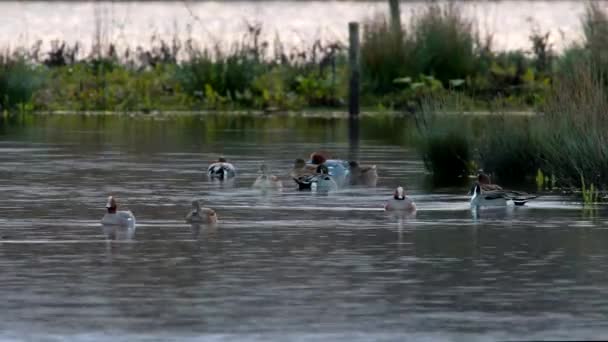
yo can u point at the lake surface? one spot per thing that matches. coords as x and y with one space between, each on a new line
287 266
297 23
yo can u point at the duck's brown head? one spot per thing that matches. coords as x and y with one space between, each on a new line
482 178
318 158
221 159
111 205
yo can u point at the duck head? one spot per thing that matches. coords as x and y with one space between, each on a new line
111 205
318 158
482 178
264 171
299 163
399 194
322 169
196 206
221 160
476 191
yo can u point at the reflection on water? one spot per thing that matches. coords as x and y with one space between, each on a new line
286 265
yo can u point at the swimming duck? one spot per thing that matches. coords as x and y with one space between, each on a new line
362 174
338 169
400 202
320 181
201 215
266 180
497 198
323 181
486 183
221 170
301 172
117 218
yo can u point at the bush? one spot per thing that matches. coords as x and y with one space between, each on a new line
18 82
384 56
443 43
573 131
445 145
508 148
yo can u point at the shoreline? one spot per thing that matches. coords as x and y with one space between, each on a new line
313 113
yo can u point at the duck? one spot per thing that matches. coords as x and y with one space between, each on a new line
338 169
300 168
320 181
400 202
301 173
486 183
323 181
200 215
117 218
363 174
221 170
498 197
267 181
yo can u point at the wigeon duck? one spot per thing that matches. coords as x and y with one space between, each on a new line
117 218
221 170
486 183
497 198
362 174
321 181
338 169
201 215
400 202
301 173
266 180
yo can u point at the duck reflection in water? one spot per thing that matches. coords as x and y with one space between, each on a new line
197 229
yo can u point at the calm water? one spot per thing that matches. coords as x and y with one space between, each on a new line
280 267
296 22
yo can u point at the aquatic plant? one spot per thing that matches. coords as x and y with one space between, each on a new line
444 142
590 193
507 148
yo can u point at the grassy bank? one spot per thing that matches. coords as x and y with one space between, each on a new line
437 54
565 146
562 146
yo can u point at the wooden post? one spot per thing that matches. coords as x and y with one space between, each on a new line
395 17
353 62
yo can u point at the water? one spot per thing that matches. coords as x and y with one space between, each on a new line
297 22
288 266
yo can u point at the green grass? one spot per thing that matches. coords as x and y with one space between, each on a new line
437 54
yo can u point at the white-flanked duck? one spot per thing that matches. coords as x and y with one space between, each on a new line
200 215
117 218
221 170
400 202
321 181
498 197
363 174
266 181
338 169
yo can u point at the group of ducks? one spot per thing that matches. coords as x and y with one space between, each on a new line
324 174
321 173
